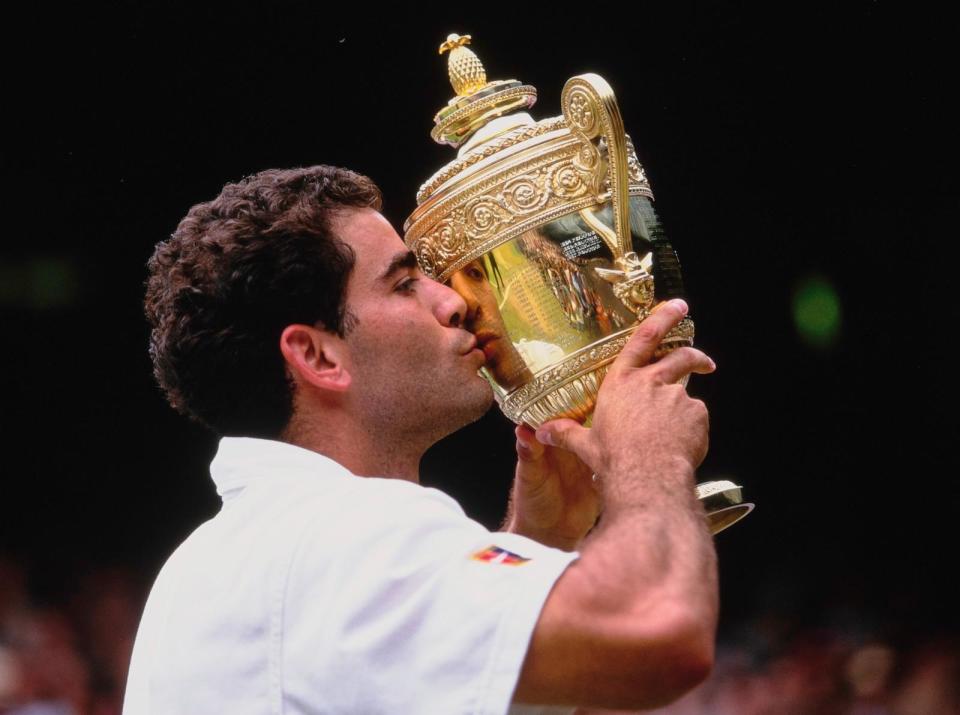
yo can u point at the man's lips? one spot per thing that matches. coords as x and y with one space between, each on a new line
487 342
471 349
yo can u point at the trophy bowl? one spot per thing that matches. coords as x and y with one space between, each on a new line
547 230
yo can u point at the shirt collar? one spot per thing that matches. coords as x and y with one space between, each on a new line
241 461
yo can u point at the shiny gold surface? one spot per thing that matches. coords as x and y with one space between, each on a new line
520 134
505 194
547 230
467 74
547 314
723 502
591 110
477 101
456 123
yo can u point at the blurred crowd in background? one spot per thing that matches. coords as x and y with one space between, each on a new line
69 655
829 672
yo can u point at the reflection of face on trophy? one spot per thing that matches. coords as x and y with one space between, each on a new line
504 364
547 230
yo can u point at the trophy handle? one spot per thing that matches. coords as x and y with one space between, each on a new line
590 109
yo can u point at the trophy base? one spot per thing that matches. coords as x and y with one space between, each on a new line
723 501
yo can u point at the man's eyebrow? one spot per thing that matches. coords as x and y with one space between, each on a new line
401 260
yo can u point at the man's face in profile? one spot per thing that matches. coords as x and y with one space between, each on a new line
409 353
484 320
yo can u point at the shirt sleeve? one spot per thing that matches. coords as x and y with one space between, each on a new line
404 605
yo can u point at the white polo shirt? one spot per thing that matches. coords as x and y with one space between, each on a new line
316 591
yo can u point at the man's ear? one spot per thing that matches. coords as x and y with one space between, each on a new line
316 357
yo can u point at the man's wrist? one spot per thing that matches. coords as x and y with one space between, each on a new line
639 475
542 536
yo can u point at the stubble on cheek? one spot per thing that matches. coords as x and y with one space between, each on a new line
416 385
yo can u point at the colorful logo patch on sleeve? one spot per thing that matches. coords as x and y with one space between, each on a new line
496 555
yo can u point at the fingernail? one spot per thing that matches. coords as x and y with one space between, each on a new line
523 433
544 437
713 365
676 303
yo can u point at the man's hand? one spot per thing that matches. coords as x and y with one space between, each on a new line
644 423
554 499
632 623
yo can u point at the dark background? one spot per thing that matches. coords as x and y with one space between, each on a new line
783 145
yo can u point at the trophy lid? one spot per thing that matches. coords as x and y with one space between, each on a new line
477 102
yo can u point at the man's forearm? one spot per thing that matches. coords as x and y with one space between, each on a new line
657 530
637 610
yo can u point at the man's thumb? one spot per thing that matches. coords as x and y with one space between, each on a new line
567 434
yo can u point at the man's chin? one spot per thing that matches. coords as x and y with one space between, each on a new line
484 398
475 401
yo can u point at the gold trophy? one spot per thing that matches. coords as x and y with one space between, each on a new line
547 230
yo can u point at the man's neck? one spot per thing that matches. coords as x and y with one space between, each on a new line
364 452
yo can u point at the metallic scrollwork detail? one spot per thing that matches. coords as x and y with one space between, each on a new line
635 172
569 181
471 219
593 162
634 168
448 236
427 258
482 217
499 204
588 158
526 193
581 111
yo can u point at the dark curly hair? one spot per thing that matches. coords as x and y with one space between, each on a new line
234 274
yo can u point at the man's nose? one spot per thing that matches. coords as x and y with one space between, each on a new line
462 287
450 308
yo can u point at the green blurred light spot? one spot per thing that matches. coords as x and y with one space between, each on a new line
53 283
816 312
39 283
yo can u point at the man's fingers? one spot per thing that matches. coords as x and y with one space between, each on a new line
567 434
528 448
650 333
681 362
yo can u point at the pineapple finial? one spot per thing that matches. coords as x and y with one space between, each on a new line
465 69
